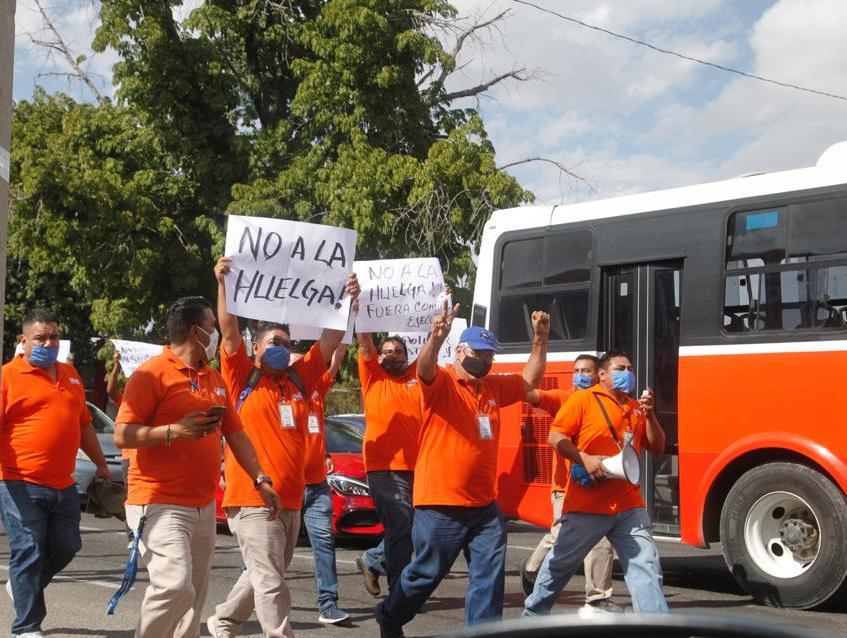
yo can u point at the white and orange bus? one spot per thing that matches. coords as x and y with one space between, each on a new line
731 298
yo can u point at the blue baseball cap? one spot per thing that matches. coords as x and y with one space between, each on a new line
479 338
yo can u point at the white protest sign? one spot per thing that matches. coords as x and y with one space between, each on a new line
287 272
134 353
313 333
415 341
64 350
398 294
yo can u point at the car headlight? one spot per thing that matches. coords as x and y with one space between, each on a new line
348 485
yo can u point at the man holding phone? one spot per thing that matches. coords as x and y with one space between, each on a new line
174 410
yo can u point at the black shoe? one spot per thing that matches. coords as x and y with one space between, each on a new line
388 628
527 579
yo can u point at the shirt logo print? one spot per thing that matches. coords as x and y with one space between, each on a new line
221 392
298 396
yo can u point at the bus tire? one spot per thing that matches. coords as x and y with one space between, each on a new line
783 533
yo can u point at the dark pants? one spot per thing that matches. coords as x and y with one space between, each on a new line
42 525
439 534
392 495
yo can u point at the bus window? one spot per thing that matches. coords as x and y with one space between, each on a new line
521 263
552 273
567 258
786 269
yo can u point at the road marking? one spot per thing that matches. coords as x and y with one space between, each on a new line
337 560
71 579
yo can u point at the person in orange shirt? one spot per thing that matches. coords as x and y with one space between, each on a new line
44 422
391 397
273 398
454 492
174 410
317 499
598 564
591 426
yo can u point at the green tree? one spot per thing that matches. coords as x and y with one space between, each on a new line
328 111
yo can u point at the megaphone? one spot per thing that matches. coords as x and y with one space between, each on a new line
623 465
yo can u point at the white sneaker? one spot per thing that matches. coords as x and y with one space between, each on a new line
599 608
9 590
216 630
29 634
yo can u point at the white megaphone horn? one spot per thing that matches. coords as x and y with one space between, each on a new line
623 465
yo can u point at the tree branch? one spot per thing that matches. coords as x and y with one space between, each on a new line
562 168
59 45
517 74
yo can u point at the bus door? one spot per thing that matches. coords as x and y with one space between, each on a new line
640 315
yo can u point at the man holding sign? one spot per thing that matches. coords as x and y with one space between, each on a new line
273 399
454 493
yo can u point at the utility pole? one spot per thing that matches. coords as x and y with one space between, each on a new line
7 65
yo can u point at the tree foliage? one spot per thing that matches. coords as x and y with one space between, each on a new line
328 111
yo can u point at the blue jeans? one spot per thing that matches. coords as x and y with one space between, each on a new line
630 535
392 495
42 525
317 517
439 534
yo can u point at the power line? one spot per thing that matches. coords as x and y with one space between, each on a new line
680 55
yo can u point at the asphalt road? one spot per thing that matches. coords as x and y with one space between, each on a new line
695 581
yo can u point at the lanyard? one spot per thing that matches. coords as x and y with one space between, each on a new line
130 571
609 421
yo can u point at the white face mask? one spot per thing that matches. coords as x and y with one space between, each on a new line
212 349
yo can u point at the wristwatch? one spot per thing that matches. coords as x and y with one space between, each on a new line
262 479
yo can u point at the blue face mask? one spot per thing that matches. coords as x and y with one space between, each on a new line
582 381
43 357
276 357
623 380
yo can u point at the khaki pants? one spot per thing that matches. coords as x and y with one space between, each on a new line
597 565
267 548
177 547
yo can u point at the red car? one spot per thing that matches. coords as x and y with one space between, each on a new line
353 508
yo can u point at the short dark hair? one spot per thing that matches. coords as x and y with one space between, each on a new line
606 358
588 357
183 314
38 315
261 328
396 339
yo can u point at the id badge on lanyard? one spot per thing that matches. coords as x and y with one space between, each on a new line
286 415
314 424
483 423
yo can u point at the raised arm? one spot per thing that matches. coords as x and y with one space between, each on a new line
337 359
439 330
655 433
230 334
367 348
533 371
113 389
330 339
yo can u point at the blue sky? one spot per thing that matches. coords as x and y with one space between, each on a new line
621 116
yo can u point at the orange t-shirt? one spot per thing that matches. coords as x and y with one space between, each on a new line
280 450
42 420
457 463
581 420
316 436
162 391
551 402
392 416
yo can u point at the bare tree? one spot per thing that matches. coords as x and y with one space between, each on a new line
55 43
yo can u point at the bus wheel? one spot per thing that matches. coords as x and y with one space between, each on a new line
783 531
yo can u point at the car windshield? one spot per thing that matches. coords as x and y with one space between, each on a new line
344 434
102 423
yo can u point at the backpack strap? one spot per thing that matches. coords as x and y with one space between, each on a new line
252 381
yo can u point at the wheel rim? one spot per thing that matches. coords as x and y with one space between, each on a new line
782 535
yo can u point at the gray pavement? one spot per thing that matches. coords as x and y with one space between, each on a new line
695 581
